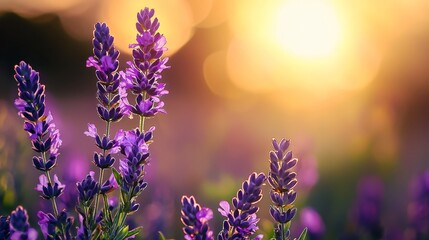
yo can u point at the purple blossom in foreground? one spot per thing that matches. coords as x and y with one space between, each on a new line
144 72
241 222
134 146
19 226
4 227
418 211
45 140
48 224
196 220
282 180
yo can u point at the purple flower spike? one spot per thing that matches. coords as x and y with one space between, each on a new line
196 220
241 222
282 181
105 61
44 136
19 226
144 72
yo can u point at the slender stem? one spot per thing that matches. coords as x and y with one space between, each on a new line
283 225
106 207
141 124
100 181
100 177
48 176
142 118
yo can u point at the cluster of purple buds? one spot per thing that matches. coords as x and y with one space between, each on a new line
144 72
108 146
134 146
49 190
19 228
282 181
195 218
105 61
241 222
87 189
45 138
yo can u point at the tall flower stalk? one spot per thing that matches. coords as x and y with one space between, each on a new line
282 181
144 72
110 107
44 137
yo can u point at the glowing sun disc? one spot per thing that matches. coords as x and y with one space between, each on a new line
308 28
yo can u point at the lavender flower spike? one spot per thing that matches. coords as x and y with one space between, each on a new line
40 127
241 222
19 226
105 61
282 181
196 220
142 75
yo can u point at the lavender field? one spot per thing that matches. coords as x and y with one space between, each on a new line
187 119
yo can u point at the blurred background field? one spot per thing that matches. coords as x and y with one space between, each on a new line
346 81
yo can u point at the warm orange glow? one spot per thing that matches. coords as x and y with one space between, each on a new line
176 21
307 28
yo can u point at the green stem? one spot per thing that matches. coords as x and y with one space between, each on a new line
48 176
101 175
142 118
97 197
141 124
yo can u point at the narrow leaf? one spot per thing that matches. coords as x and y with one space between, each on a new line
303 235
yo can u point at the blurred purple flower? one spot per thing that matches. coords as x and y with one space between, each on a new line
311 219
368 206
195 218
418 210
19 226
241 222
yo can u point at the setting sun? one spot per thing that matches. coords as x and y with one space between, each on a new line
307 28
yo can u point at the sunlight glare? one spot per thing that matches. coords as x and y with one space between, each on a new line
308 28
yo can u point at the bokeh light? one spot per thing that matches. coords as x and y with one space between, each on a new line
307 28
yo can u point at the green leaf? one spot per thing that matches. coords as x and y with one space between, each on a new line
117 176
303 235
133 232
161 236
122 233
